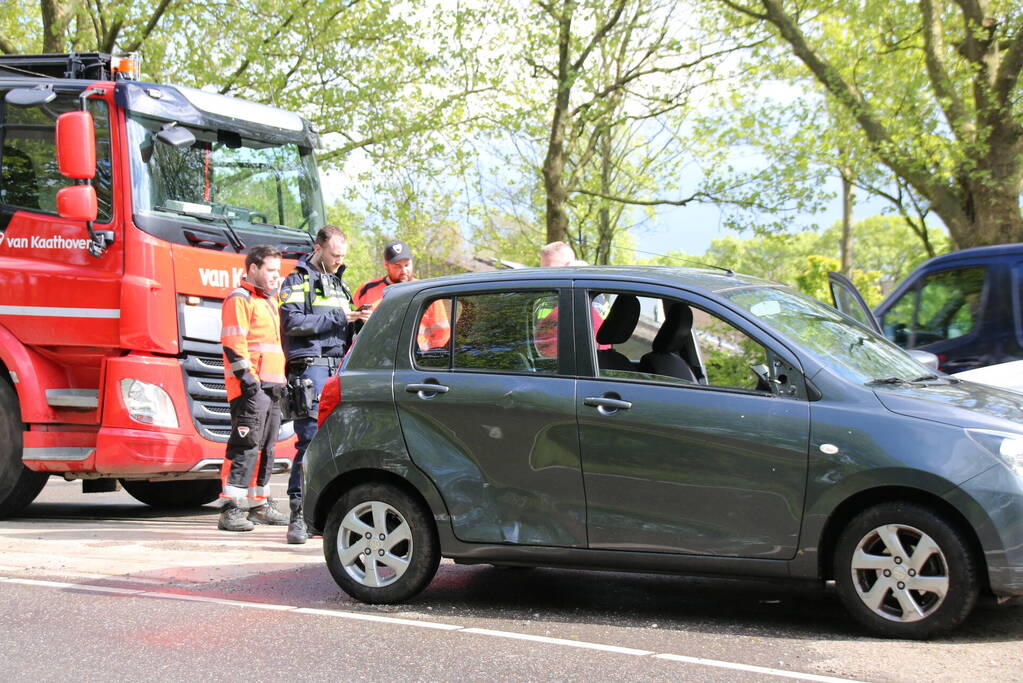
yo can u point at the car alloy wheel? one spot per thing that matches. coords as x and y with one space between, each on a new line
905 571
900 573
375 544
381 543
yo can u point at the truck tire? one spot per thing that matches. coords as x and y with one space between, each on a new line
19 485
173 495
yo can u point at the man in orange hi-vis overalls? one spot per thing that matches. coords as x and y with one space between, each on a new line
435 329
254 375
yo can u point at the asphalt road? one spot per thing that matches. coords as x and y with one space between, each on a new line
101 586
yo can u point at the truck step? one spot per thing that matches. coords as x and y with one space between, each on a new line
82 399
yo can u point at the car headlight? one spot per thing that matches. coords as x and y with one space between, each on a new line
1004 445
148 403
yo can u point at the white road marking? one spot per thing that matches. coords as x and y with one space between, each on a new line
376 617
451 628
752 669
559 641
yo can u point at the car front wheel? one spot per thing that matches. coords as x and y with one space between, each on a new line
905 572
380 544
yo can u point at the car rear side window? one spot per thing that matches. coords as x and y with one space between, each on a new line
499 332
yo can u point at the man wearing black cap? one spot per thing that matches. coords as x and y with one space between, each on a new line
435 329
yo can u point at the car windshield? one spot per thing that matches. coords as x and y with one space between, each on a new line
835 339
223 176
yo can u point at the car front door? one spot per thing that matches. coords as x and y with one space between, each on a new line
699 444
846 298
490 416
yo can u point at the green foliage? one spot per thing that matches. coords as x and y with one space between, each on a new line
916 102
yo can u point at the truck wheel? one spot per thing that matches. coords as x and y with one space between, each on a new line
19 485
904 571
380 545
189 493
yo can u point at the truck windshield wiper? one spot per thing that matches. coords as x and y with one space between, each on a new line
236 241
924 378
278 226
888 380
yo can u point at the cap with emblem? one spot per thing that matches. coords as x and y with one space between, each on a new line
396 251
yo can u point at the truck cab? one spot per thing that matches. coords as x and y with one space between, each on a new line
125 211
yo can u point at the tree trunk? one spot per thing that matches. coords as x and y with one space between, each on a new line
846 247
553 179
56 16
996 218
554 163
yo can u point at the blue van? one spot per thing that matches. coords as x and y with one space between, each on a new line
964 307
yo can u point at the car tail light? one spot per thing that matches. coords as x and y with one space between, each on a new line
330 398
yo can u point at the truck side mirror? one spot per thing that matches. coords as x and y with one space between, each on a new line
30 97
76 146
77 202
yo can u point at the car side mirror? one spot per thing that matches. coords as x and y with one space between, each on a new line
77 202
76 145
925 358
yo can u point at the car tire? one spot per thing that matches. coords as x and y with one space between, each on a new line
380 544
19 485
173 495
904 571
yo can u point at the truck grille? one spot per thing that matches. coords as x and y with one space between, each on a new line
203 367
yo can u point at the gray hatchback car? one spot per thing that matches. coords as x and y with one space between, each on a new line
663 420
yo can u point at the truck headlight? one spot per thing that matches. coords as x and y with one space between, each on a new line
1006 446
148 403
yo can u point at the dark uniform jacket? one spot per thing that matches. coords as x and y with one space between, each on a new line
313 307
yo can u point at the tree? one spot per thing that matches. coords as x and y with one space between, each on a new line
597 131
932 87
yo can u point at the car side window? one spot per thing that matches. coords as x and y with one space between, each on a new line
666 340
501 332
29 178
946 305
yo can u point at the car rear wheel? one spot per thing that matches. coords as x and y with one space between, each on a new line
19 485
904 571
172 495
380 544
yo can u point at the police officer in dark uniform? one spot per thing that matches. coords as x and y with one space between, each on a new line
316 323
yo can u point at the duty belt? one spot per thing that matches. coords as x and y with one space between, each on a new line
329 361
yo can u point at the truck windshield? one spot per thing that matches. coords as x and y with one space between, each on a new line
224 177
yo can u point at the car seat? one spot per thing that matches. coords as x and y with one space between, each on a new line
617 328
664 359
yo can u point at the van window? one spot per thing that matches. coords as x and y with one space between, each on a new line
943 305
29 178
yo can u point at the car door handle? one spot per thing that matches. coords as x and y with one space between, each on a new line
426 390
606 405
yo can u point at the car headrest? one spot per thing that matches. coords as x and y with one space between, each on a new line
678 323
620 321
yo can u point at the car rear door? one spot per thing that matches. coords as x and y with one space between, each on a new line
490 417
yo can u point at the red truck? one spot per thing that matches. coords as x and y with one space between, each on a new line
125 211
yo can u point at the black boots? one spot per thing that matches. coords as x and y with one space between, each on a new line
232 518
296 526
267 513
